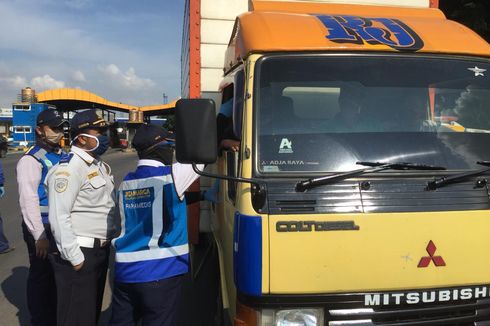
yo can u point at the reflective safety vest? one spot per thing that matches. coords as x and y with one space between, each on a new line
47 160
153 242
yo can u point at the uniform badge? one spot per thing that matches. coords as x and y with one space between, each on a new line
60 184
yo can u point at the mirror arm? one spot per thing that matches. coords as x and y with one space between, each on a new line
260 184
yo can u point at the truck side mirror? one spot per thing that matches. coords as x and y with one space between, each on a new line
195 131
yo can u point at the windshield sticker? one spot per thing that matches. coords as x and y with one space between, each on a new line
286 146
283 162
270 168
357 30
277 165
477 71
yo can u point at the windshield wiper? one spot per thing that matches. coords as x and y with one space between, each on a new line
441 182
372 168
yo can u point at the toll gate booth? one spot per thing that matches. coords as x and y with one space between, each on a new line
68 101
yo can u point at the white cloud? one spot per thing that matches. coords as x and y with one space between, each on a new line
42 83
10 86
110 69
13 82
78 76
59 40
127 79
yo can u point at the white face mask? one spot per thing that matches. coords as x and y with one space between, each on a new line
52 137
89 136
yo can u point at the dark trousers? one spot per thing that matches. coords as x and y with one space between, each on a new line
80 293
41 286
155 303
4 243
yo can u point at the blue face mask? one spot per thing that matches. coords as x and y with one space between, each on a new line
102 144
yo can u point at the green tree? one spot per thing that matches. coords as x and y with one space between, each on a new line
474 14
170 123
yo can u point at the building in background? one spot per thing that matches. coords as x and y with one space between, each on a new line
24 114
5 122
24 122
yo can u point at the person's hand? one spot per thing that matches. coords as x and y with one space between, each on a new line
78 267
42 247
230 144
2 191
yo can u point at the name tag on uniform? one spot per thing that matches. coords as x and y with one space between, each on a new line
92 175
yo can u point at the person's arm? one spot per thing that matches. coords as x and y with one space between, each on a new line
2 180
192 197
63 187
226 137
184 176
29 174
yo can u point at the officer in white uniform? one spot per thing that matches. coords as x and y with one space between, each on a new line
81 214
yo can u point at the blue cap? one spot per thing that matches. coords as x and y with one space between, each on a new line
87 119
51 118
148 135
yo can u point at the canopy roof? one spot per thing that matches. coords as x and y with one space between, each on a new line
76 99
276 26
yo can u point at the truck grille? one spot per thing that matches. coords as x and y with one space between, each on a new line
382 196
455 313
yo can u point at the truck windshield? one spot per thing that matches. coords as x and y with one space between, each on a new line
324 113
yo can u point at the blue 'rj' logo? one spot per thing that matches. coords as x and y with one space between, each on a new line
353 29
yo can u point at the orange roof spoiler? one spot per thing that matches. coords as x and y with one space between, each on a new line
321 27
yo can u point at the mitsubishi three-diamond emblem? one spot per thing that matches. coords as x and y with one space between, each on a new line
431 250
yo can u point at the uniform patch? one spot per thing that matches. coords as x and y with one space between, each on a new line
60 184
92 175
48 163
65 173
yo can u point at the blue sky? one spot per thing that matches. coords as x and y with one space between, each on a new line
123 50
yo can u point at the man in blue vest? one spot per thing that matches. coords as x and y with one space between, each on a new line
152 253
32 169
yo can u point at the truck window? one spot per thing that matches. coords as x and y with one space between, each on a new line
325 113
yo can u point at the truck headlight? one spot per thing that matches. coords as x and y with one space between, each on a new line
292 317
